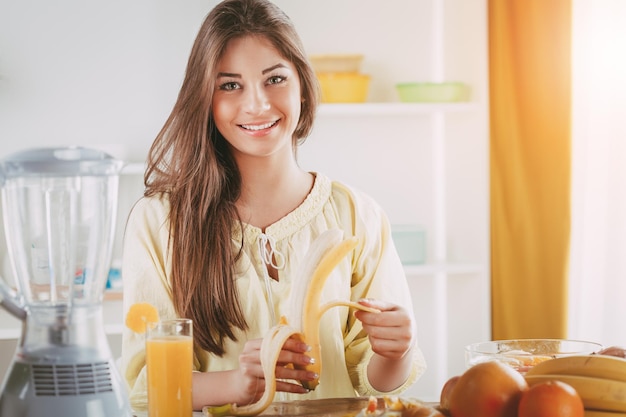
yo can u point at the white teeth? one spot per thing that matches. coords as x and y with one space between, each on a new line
259 127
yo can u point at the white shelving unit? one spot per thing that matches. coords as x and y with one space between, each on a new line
392 109
437 173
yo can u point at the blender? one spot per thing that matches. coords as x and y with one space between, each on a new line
59 207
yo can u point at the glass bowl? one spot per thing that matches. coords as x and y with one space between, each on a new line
523 354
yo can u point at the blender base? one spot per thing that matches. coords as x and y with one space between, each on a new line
74 390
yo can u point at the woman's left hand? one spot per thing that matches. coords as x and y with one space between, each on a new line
391 332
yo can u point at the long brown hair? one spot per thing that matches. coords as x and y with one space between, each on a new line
191 163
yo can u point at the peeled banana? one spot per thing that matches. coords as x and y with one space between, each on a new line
270 349
302 319
306 311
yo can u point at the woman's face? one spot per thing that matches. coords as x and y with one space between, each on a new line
257 99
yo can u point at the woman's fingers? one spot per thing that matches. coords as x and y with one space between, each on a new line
284 386
378 304
287 357
289 372
391 331
294 344
292 353
392 318
390 348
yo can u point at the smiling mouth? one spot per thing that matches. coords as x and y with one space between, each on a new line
259 127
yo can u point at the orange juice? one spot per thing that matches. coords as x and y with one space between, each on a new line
169 359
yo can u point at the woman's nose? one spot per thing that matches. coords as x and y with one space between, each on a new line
256 100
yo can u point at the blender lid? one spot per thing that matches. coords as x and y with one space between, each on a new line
60 161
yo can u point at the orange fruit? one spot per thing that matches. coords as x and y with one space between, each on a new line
487 389
551 398
139 314
446 392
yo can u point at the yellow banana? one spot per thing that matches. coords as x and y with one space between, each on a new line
270 349
597 413
597 366
311 264
305 303
597 393
302 320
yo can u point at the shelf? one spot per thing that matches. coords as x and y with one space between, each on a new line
392 109
448 269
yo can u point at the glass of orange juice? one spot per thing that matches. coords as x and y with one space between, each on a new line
169 361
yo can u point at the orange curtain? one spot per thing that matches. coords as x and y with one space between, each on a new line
530 113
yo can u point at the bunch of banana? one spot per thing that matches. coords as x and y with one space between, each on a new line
302 321
600 380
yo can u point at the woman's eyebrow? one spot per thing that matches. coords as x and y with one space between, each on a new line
235 75
228 74
273 67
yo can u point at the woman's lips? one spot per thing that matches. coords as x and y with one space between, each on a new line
260 126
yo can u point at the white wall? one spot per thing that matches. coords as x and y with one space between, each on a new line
108 72
78 72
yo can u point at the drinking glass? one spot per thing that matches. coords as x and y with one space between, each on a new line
169 361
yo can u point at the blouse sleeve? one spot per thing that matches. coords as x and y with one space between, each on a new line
145 264
378 274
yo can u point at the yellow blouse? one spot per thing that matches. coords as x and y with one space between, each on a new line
374 271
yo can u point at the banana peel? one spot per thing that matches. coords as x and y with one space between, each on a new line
302 320
270 349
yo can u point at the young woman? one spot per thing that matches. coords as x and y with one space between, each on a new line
228 216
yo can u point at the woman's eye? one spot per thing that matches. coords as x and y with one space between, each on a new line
276 79
229 86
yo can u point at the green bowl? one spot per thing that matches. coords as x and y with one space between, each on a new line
433 92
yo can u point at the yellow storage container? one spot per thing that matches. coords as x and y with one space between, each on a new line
343 87
336 62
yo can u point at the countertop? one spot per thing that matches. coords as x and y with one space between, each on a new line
335 407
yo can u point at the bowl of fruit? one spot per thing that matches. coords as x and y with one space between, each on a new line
523 354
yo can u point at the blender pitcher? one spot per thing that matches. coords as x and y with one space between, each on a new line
59 207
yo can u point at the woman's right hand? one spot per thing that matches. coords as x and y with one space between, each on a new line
252 381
